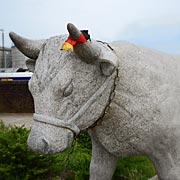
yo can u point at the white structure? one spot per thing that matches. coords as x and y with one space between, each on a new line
12 58
18 59
5 57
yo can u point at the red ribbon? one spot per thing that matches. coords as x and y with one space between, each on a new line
79 40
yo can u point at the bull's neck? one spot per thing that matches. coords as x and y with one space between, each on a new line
98 104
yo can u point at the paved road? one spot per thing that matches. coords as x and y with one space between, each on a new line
17 119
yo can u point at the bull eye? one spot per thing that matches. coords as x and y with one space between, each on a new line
68 90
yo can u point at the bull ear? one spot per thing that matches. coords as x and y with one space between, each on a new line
108 61
94 51
30 63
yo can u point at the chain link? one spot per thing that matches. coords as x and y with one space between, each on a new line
68 158
111 97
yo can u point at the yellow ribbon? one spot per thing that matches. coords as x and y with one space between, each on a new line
66 46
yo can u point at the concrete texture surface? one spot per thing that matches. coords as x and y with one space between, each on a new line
17 119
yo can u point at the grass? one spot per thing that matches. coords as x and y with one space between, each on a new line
16 157
134 168
129 168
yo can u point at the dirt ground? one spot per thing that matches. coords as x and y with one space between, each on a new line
18 119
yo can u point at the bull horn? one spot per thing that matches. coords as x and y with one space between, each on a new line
73 31
88 51
29 48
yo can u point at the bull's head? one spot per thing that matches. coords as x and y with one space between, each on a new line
70 88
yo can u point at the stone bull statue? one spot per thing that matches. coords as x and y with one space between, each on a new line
126 96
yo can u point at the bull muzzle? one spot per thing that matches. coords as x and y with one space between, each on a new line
49 137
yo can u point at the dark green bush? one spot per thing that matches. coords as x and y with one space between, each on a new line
84 140
17 161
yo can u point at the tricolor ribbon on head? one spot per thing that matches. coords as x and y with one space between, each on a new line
69 43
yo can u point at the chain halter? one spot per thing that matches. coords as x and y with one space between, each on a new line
70 123
111 97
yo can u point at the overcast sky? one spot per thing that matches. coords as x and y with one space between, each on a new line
151 23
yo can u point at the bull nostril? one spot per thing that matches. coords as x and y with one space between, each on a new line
46 146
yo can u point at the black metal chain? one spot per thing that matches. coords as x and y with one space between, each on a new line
106 44
68 158
111 97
